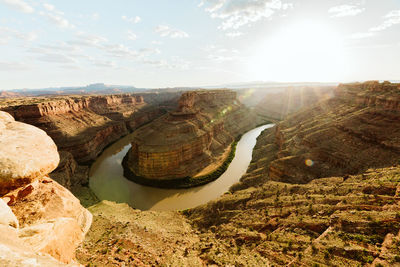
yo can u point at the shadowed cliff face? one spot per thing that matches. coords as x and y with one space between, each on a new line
185 141
83 126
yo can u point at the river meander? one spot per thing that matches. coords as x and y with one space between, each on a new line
108 183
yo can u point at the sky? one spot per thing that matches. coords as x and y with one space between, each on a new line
172 43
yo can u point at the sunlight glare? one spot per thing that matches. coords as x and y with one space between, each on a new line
300 52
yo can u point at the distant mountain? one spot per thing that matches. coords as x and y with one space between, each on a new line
96 88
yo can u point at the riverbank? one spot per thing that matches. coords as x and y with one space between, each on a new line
108 182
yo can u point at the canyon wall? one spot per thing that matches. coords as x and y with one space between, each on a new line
84 125
41 222
276 106
355 130
183 142
321 189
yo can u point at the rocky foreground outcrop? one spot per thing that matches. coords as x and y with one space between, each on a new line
85 125
182 143
38 216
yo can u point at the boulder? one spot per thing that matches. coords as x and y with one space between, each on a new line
26 153
52 220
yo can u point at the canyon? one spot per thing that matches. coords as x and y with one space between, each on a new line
322 188
183 142
84 125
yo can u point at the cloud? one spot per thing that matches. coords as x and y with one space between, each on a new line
131 36
237 13
56 17
233 34
166 31
56 58
18 5
85 39
135 20
104 63
120 51
345 11
6 35
59 21
13 66
392 18
48 7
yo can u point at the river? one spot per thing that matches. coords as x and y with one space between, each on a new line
108 183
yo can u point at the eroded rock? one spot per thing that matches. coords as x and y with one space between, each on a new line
26 153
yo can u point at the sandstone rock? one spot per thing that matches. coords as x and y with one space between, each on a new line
85 125
26 153
14 253
7 217
52 220
184 142
58 238
44 200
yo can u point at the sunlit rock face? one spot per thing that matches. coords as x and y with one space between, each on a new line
36 213
26 153
183 142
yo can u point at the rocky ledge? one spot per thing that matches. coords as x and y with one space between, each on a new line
41 222
174 150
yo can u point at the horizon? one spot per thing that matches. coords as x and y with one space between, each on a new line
49 44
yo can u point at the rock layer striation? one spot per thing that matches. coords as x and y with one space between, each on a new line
183 142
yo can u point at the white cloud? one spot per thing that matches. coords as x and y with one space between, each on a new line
56 58
104 63
6 35
166 31
392 18
237 13
59 21
120 51
48 7
13 66
18 5
345 11
131 36
85 39
135 20
149 51
234 34
56 17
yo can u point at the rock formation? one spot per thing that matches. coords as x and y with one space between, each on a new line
84 125
354 131
37 214
183 142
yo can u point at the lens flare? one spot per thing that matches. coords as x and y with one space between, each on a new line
309 162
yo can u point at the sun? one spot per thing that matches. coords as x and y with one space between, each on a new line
302 51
